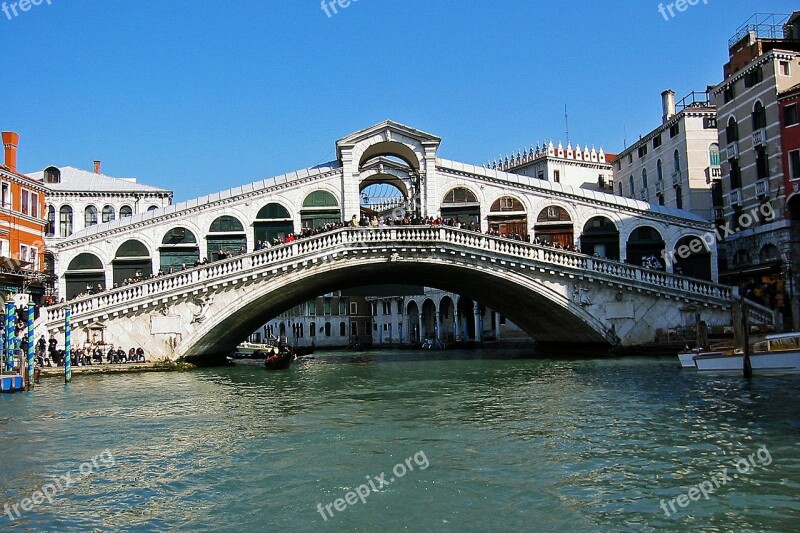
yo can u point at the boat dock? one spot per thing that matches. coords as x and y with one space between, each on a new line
12 383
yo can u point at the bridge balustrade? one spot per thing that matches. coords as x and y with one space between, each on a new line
392 236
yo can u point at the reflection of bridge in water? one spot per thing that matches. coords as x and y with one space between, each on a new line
554 295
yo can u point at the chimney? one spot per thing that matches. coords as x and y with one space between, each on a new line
10 143
668 104
97 167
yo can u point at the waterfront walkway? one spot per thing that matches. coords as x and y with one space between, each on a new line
106 368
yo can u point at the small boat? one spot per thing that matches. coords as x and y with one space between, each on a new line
279 360
687 358
248 348
774 354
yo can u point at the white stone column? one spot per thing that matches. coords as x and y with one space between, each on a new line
350 195
430 186
478 322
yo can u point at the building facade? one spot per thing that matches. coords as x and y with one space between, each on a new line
22 230
764 62
330 321
676 164
78 199
577 167
438 316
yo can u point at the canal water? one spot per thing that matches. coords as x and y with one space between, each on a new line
382 443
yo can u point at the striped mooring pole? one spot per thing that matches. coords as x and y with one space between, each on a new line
31 346
10 319
67 346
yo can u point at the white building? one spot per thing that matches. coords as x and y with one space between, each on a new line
78 199
677 163
579 167
438 315
330 321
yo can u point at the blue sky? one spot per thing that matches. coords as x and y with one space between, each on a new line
201 96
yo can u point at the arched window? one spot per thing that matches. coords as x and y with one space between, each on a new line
759 116
327 329
90 216
732 131
619 188
713 155
65 221
108 213
125 211
769 253
633 190
660 170
51 221
676 160
152 208
644 178
678 198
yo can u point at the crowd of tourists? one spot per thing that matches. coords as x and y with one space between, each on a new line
48 353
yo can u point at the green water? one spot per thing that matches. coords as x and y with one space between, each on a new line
486 445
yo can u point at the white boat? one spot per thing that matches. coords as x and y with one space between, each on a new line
687 358
248 348
774 354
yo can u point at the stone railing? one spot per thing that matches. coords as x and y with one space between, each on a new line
347 239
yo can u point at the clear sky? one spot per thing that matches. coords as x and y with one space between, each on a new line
200 96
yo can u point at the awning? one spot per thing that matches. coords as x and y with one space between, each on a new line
753 269
13 264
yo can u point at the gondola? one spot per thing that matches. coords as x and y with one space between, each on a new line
279 361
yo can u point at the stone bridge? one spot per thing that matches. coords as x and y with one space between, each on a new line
556 296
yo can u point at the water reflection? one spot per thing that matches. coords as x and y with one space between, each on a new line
578 444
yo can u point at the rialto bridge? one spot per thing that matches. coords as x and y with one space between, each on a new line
601 295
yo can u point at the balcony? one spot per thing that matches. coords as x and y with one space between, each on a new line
760 137
676 179
644 196
719 213
733 150
714 172
660 187
762 188
735 197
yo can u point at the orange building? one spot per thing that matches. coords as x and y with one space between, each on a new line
22 228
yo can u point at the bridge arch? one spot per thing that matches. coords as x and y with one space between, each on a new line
226 235
85 272
508 215
600 237
462 203
554 226
133 260
691 258
273 220
447 314
410 152
179 248
643 242
320 207
509 292
412 327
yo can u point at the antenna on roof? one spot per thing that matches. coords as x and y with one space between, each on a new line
624 137
566 121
